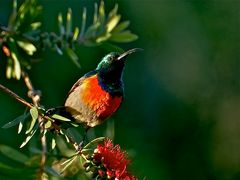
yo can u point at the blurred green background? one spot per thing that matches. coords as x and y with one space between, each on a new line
181 114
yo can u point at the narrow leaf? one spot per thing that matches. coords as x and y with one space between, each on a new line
75 34
67 139
20 126
125 36
59 51
101 10
59 117
68 163
31 125
34 112
15 121
74 124
29 136
94 142
60 24
95 16
28 47
69 22
84 19
13 154
17 67
12 18
73 56
9 71
62 146
103 38
86 151
48 124
121 27
113 12
15 6
112 23
53 143
91 31
35 25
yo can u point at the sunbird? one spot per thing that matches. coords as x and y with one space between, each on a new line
99 93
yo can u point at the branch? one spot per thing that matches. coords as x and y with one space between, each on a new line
15 96
35 95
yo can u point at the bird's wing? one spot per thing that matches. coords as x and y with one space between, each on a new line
79 82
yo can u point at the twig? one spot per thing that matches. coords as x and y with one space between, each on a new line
35 96
15 96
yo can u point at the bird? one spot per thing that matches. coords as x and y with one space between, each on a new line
98 94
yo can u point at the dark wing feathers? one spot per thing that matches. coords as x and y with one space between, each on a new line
79 82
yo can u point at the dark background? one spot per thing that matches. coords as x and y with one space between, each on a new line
181 114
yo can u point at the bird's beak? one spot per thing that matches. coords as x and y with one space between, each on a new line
128 52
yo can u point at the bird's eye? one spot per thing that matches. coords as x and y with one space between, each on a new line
111 59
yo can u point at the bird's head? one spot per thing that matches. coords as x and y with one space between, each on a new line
112 65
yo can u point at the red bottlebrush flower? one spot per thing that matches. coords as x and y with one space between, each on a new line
114 160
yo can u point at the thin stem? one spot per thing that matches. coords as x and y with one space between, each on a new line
35 96
15 96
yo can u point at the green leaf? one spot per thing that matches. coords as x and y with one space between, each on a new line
94 142
15 6
60 24
13 16
84 19
68 163
59 51
35 25
113 12
86 151
16 121
101 17
17 67
95 15
59 117
30 135
69 22
33 122
103 38
75 34
53 143
9 172
9 69
91 31
73 56
20 126
125 36
8 72
13 154
34 112
48 124
28 47
74 124
63 148
121 27
112 23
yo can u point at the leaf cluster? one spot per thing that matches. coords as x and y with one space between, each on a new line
23 37
21 42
